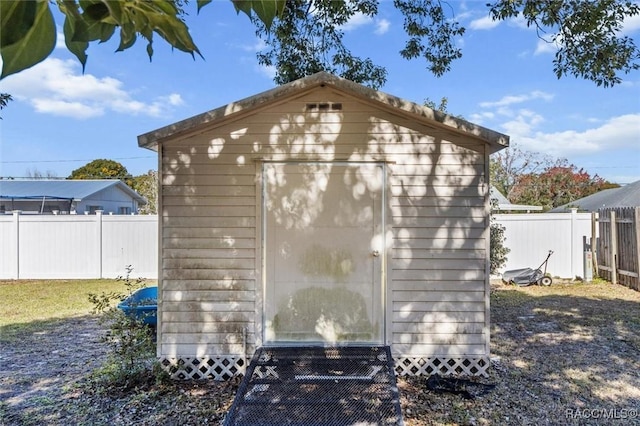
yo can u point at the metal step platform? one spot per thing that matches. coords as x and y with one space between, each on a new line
318 386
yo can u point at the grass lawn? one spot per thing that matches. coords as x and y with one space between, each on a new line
558 353
30 303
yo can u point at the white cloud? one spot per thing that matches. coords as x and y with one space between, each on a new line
65 108
269 71
520 22
255 47
631 24
57 87
524 123
517 99
480 118
591 140
617 132
60 43
549 44
382 26
174 99
485 23
525 127
357 20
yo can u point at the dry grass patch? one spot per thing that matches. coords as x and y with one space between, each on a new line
565 354
568 354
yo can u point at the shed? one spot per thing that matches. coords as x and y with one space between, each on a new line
68 196
323 212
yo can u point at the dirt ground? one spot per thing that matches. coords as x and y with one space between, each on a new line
566 354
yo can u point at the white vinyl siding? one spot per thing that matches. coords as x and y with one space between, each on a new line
208 254
436 218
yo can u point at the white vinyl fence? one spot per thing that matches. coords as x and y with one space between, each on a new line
102 246
78 246
530 236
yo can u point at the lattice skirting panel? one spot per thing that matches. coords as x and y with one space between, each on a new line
225 367
425 366
222 367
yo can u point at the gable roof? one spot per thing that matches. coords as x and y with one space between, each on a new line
66 189
624 196
505 205
441 122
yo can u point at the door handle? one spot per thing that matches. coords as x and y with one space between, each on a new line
375 253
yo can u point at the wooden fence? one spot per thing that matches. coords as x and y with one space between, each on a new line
618 247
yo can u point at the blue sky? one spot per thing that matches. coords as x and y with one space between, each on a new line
61 119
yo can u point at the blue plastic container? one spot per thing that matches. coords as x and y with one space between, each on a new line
142 304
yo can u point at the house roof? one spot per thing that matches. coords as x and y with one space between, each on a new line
505 204
75 190
438 120
624 196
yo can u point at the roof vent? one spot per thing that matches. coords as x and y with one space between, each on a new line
324 106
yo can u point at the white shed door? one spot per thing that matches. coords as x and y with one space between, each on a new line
323 253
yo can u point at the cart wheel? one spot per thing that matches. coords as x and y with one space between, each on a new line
546 281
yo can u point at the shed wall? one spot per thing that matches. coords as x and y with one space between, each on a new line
436 235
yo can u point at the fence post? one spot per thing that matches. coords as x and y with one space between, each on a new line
614 247
594 240
636 227
574 238
16 233
99 224
587 260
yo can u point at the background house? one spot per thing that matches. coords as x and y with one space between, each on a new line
623 196
39 196
323 212
503 205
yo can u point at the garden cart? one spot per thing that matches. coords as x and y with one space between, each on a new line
527 276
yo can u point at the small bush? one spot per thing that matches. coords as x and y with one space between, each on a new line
497 250
130 339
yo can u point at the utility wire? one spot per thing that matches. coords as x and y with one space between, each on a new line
70 161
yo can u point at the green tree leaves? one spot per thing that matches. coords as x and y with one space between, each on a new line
147 186
556 186
4 100
587 34
265 10
27 34
101 169
432 34
28 29
307 36
532 178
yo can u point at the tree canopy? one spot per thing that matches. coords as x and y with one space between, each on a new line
101 169
4 100
536 179
147 186
588 34
556 186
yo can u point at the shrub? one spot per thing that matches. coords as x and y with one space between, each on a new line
131 340
498 251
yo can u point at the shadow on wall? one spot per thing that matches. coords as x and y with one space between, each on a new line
436 213
336 315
